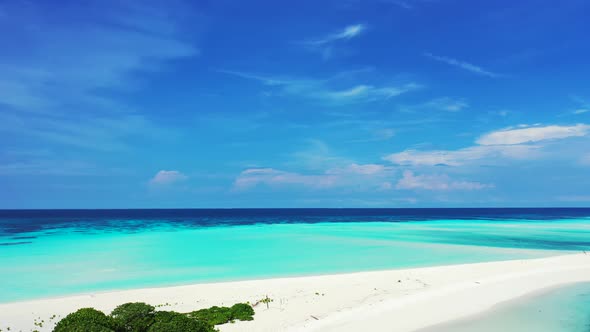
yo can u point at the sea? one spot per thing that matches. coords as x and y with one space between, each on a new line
52 253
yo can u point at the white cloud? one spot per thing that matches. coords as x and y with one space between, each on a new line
365 93
436 182
492 147
532 134
266 80
321 90
402 4
463 65
61 92
326 45
364 169
164 177
272 177
405 4
448 104
462 156
348 32
369 176
58 71
581 111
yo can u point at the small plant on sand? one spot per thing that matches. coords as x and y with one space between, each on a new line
266 300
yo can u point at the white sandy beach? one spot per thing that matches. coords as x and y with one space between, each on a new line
393 300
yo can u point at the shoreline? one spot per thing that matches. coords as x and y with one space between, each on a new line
403 299
498 307
535 253
509 253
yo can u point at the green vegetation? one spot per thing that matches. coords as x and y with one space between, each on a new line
215 315
221 315
169 321
142 317
87 320
134 317
242 311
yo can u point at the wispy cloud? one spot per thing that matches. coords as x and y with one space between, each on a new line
318 168
515 144
59 71
405 4
325 44
61 91
96 132
348 32
323 90
400 3
317 156
447 104
164 177
365 169
267 80
532 134
463 65
583 105
352 175
489 154
411 181
580 101
367 92
250 178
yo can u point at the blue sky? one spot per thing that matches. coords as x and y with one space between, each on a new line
377 103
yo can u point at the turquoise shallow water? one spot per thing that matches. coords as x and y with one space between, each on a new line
74 259
564 309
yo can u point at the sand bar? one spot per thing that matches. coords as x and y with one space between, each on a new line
392 300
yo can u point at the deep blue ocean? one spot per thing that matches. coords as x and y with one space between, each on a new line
22 221
46 253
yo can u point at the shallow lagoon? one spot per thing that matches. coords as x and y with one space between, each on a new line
563 309
81 255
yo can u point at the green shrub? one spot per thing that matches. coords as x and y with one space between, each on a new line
214 315
169 321
221 315
87 320
134 317
141 317
242 311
